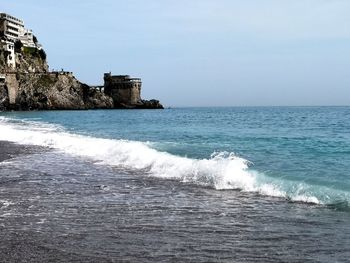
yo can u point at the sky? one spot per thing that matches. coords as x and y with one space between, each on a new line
202 52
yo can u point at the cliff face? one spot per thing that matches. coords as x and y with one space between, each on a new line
30 60
57 91
30 86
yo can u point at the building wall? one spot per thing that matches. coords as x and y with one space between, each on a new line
12 87
26 37
13 28
123 89
2 27
10 48
129 95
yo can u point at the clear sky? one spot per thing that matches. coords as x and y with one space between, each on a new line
202 52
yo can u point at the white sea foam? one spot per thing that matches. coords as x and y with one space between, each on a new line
222 170
306 199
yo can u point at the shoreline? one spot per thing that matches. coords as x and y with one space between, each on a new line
59 208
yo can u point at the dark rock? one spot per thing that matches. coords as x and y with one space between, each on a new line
150 104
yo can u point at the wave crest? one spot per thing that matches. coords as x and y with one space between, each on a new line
223 170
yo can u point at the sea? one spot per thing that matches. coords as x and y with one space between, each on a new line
211 184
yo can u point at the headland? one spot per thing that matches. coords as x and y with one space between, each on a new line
26 83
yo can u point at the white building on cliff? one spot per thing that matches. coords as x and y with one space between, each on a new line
11 30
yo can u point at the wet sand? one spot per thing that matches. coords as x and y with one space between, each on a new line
30 246
10 150
19 246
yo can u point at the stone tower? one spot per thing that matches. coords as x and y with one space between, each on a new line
124 90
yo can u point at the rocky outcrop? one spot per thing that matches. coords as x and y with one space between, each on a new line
150 104
30 86
142 104
29 60
57 91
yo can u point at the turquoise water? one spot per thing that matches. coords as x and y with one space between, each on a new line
296 153
265 184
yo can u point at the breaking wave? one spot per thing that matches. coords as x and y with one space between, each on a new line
222 170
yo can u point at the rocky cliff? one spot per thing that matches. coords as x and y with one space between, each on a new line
30 86
57 91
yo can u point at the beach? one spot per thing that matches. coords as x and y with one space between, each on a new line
59 214
73 191
25 246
